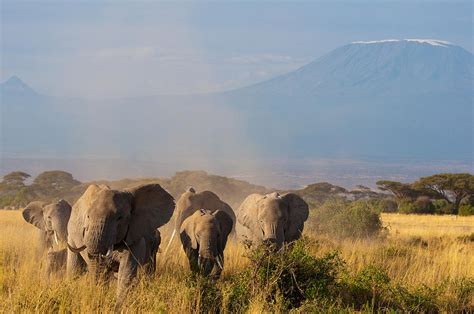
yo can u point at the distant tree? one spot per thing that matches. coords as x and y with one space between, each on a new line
453 187
15 179
400 190
361 187
50 183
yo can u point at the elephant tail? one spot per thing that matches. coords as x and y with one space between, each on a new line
171 240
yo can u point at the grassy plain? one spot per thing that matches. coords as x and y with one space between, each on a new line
434 253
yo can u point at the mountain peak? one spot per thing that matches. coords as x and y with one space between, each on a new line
432 42
15 85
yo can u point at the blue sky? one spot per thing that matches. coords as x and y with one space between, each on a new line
99 49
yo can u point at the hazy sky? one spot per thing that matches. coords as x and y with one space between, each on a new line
93 49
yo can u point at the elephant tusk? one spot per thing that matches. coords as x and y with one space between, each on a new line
169 243
76 250
109 252
199 260
56 237
218 260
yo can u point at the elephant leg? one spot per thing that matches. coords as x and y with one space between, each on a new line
193 256
75 264
152 249
130 259
55 261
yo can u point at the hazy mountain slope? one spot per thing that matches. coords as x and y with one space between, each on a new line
387 99
378 68
399 98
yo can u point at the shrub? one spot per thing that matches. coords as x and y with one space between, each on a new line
347 220
387 205
442 207
290 276
406 206
422 205
367 287
466 210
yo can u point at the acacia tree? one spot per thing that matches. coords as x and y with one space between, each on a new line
453 187
54 183
400 190
15 179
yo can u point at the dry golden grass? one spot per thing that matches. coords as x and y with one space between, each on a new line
419 250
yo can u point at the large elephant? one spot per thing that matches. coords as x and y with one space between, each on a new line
190 202
272 218
204 237
51 221
113 230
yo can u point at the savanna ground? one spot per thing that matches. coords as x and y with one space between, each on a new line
423 263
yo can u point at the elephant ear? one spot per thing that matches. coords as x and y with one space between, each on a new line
247 212
226 223
33 214
152 207
298 212
188 237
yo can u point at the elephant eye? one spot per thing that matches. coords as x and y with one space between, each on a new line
120 218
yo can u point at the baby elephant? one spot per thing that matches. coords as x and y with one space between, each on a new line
51 220
204 236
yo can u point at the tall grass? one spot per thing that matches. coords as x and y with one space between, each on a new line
426 259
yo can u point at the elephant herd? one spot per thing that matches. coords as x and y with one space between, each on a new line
111 232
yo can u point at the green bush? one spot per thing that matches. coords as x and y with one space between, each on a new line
466 210
406 206
342 219
442 207
367 288
422 205
289 276
387 205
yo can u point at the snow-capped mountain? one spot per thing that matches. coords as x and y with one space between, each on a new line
410 98
388 98
380 67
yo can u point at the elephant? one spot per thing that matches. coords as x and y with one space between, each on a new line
112 230
51 221
204 237
191 201
272 218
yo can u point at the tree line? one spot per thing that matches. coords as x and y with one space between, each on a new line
444 193
15 192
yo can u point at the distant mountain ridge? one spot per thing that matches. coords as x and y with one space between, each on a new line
408 98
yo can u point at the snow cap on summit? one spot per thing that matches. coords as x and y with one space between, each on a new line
433 42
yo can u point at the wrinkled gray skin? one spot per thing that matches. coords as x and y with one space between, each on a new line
116 231
204 237
272 218
51 221
190 202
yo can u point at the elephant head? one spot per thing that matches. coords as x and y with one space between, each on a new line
273 218
190 202
103 219
51 219
204 237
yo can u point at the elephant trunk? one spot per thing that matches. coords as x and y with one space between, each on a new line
273 234
95 268
207 254
99 239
